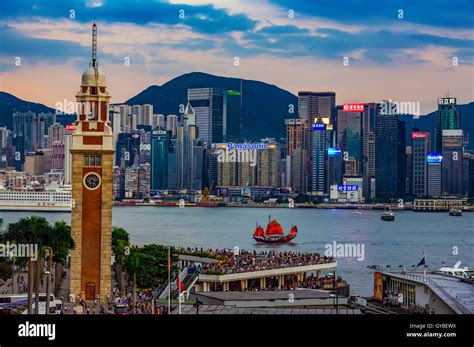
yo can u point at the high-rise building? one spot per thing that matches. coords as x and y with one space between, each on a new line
136 116
334 167
186 157
34 163
118 183
208 106
267 165
349 131
420 148
448 117
116 119
67 158
322 140
58 155
158 121
401 159
434 161
317 105
159 159
470 175
452 166
125 112
56 132
296 160
137 182
147 114
386 154
351 167
23 129
232 120
368 147
128 149
172 124
409 174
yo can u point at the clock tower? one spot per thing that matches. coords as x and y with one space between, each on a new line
92 153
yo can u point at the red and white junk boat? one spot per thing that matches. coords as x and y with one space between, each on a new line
273 233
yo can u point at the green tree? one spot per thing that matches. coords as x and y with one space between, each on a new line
120 244
60 241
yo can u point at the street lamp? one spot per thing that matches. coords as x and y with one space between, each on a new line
48 277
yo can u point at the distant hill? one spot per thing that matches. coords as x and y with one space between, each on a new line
265 106
10 104
428 123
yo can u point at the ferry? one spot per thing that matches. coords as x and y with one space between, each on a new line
456 212
36 197
388 215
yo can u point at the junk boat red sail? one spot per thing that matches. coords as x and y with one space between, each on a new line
273 233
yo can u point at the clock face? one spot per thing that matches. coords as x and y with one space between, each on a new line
92 181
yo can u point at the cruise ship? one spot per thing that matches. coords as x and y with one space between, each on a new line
36 198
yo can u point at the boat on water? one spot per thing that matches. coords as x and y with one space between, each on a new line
273 233
458 271
388 215
456 212
36 197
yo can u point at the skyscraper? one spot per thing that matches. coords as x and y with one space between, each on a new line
321 142
317 105
172 124
208 106
267 165
334 167
401 159
368 147
434 161
159 159
452 166
147 114
296 144
23 129
67 158
420 149
447 118
56 132
186 156
232 120
349 131
386 154
136 116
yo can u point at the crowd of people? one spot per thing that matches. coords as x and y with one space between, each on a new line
244 261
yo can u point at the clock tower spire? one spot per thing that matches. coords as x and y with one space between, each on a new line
92 155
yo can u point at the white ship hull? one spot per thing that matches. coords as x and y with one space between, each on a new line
35 208
25 199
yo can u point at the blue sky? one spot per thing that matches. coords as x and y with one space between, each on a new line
398 49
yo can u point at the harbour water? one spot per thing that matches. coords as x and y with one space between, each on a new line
388 244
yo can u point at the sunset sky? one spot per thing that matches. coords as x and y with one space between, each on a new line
294 44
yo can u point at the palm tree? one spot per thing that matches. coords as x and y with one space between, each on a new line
41 231
58 241
120 242
21 232
62 243
133 266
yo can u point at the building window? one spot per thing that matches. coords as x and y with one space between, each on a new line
92 160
